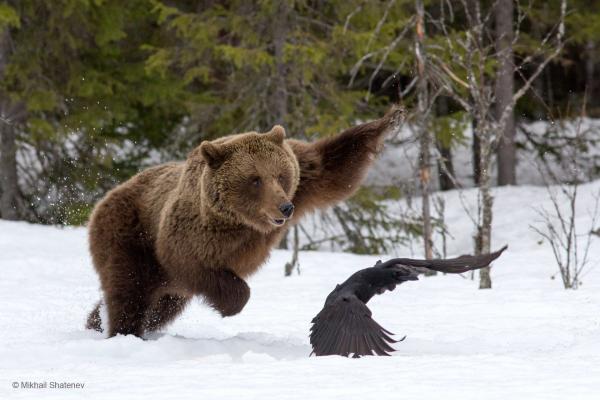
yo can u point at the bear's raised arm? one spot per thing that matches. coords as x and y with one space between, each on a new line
332 168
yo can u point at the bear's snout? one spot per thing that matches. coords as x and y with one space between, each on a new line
287 209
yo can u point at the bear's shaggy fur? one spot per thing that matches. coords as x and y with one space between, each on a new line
202 226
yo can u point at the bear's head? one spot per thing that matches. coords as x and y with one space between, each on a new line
251 178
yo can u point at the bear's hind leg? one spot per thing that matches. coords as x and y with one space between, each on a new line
126 313
165 310
127 295
94 321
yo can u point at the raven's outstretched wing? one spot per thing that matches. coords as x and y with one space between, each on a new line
452 265
345 327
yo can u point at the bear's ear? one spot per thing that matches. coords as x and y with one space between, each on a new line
276 135
213 154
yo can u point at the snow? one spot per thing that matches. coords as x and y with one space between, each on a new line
525 338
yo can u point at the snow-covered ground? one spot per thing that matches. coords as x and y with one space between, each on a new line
525 339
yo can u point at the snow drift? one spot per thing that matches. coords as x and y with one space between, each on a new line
525 338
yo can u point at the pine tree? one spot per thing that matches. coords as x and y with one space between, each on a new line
11 112
76 76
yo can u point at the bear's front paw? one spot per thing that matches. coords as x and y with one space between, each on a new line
236 300
232 296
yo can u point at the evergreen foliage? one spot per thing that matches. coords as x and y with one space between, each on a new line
109 87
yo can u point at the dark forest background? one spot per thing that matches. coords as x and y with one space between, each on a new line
92 91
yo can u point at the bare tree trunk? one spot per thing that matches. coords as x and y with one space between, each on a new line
480 95
488 130
424 132
8 172
476 152
293 264
504 91
8 143
486 201
590 83
445 165
280 95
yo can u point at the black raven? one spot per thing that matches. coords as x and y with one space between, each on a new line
344 326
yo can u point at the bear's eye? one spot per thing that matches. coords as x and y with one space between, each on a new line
283 181
256 181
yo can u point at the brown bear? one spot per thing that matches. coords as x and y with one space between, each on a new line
202 226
